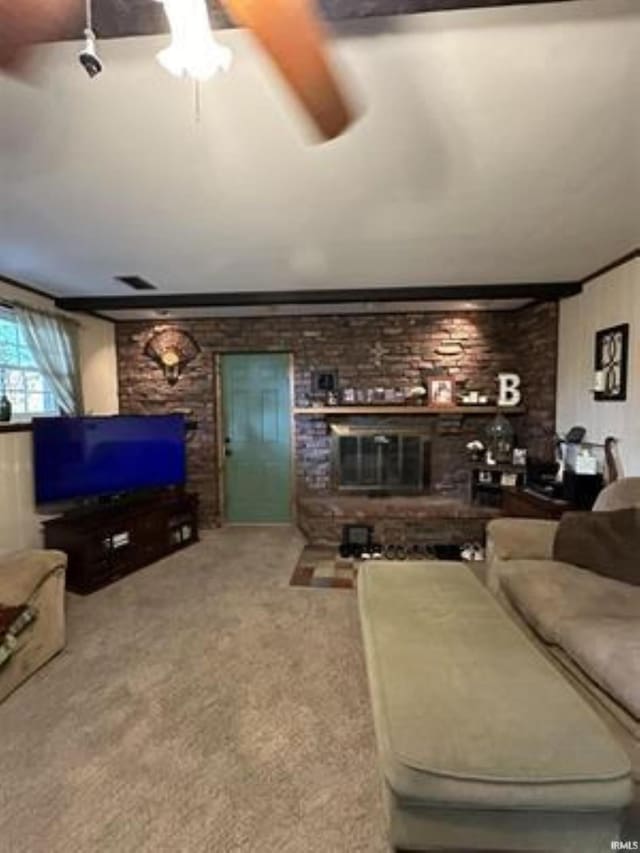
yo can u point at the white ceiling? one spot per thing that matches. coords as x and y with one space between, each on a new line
494 146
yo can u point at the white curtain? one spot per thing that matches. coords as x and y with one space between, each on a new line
53 342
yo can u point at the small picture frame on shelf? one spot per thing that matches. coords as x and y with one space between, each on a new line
442 391
508 478
348 396
519 456
485 477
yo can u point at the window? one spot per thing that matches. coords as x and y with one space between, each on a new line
26 387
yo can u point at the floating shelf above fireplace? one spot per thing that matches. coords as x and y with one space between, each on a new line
321 411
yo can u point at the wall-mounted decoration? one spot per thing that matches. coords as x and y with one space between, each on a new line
611 363
172 350
450 348
377 352
442 391
324 380
509 393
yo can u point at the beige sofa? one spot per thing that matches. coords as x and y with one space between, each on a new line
588 624
36 578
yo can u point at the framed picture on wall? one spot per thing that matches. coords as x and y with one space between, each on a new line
611 363
324 380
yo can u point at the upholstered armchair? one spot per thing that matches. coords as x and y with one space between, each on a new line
34 578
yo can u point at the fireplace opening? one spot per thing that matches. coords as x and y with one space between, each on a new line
379 461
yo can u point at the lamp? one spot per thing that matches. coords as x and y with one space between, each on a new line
193 50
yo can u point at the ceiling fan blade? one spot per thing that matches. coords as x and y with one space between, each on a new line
294 37
28 22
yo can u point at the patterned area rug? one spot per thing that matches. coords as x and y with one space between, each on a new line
323 567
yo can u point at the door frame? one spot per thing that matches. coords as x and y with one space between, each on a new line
219 435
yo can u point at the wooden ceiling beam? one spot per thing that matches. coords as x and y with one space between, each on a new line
159 300
122 18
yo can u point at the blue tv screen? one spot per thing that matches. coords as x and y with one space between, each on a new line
98 456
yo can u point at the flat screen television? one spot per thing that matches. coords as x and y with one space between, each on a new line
104 456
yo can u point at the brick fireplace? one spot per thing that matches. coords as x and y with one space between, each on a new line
369 350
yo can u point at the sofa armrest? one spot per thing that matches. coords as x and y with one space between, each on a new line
521 538
513 539
22 573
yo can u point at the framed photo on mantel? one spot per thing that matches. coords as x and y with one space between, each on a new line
442 391
611 363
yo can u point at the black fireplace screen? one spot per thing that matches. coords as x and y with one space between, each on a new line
378 461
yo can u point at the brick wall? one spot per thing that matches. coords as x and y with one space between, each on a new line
369 351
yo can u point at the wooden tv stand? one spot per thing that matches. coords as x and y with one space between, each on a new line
106 542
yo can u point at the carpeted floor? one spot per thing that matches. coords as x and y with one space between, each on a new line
202 704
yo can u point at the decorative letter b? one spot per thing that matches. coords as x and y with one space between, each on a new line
510 394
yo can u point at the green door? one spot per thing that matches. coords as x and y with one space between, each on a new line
257 438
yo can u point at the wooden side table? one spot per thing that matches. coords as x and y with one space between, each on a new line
526 503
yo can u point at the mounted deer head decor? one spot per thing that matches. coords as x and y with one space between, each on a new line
171 349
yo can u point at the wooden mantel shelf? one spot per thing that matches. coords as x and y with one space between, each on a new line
321 411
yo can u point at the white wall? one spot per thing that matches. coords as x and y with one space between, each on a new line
19 522
606 301
99 366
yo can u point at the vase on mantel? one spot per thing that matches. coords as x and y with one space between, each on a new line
5 409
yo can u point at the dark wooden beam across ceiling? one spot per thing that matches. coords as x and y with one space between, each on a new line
121 18
538 291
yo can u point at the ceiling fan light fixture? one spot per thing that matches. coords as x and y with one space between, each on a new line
193 52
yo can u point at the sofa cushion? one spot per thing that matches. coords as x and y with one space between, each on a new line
467 710
549 593
595 620
607 543
608 650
